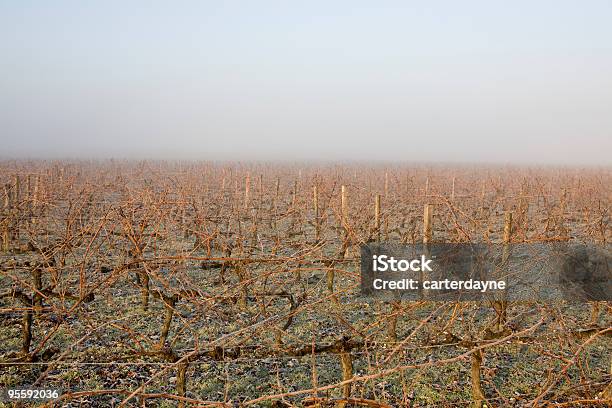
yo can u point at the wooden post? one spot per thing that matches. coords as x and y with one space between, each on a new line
427 186
344 208
294 198
315 203
427 223
260 191
377 215
247 188
344 219
502 305
386 184
254 223
453 190
427 238
15 205
507 227
386 228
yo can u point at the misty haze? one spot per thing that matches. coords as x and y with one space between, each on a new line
469 82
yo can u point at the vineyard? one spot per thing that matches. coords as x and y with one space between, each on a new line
237 284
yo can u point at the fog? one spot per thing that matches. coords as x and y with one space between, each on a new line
486 81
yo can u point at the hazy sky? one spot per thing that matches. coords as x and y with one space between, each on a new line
494 81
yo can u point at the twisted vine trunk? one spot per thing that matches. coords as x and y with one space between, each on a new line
477 393
26 332
181 382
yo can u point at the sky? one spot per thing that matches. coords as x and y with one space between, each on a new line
434 81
